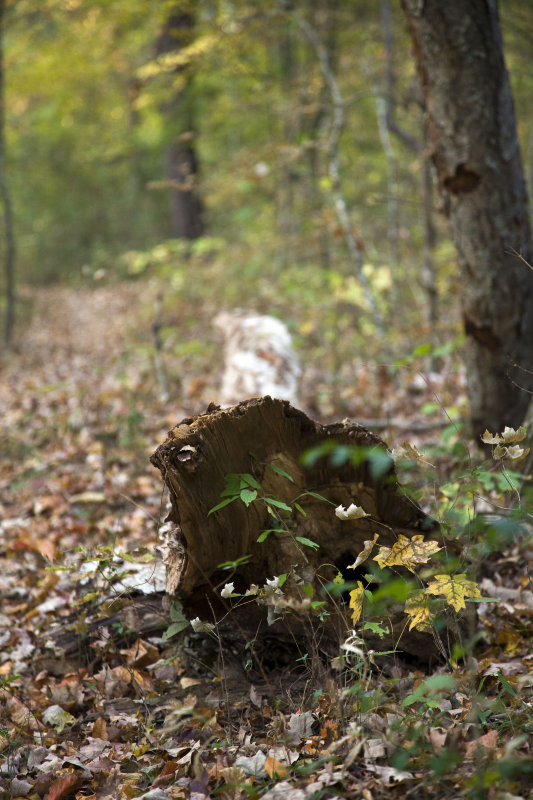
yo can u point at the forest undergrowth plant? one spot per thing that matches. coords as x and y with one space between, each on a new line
427 577
480 509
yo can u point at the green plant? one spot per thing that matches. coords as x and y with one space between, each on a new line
245 487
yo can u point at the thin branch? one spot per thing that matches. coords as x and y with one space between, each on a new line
9 267
332 149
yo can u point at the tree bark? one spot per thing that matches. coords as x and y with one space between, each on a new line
9 263
474 148
194 460
182 164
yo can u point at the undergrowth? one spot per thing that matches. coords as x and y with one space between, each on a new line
464 727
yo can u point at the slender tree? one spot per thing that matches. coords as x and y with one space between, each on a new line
9 263
474 148
182 163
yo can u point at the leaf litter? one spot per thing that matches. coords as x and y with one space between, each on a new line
126 712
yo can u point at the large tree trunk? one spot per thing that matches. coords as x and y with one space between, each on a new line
194 460
475 152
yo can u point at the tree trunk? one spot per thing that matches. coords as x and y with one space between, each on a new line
194 461
9 264
182 163
474 148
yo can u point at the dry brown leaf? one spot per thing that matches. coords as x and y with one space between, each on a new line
275 768
65 786
141 654
99 730
365 552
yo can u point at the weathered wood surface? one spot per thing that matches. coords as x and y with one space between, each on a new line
200 451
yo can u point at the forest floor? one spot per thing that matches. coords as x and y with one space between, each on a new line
115 709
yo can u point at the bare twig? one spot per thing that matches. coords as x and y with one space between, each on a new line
332 149
160 370
9 267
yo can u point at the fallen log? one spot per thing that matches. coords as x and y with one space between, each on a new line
264 440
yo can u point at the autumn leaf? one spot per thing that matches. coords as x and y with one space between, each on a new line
365 552
508 436
99 729
487 742
455 589
407 552
275 768
490 438
57 718
516 452
356 602
65 786
417 607
406 452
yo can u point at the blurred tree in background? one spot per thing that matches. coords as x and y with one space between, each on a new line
175 56
9 234
288 138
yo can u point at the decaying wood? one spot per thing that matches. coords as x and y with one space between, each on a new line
201 451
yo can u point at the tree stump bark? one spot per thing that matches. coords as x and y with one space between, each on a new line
267 438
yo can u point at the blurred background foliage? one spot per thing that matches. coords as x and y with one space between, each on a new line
305 121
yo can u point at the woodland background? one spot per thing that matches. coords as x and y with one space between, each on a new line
91 120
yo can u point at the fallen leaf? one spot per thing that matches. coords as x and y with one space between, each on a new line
253 765
99 730
65 786
274 768
57 718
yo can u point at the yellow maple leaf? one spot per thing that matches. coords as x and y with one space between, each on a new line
417 607
356 602
407 552
454 588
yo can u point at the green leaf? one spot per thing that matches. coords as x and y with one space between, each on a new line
380 462
238 562
249 480
173 629
375 627
248 496
307 542
225 502
277 504
263 536
176 612
298 507
233 484
281 472
506 685
317 497
340 455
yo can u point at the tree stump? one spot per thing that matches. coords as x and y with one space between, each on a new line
267 438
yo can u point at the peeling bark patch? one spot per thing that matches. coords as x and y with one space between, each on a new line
465 180
482 334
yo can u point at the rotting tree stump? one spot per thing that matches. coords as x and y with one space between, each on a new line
194 460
